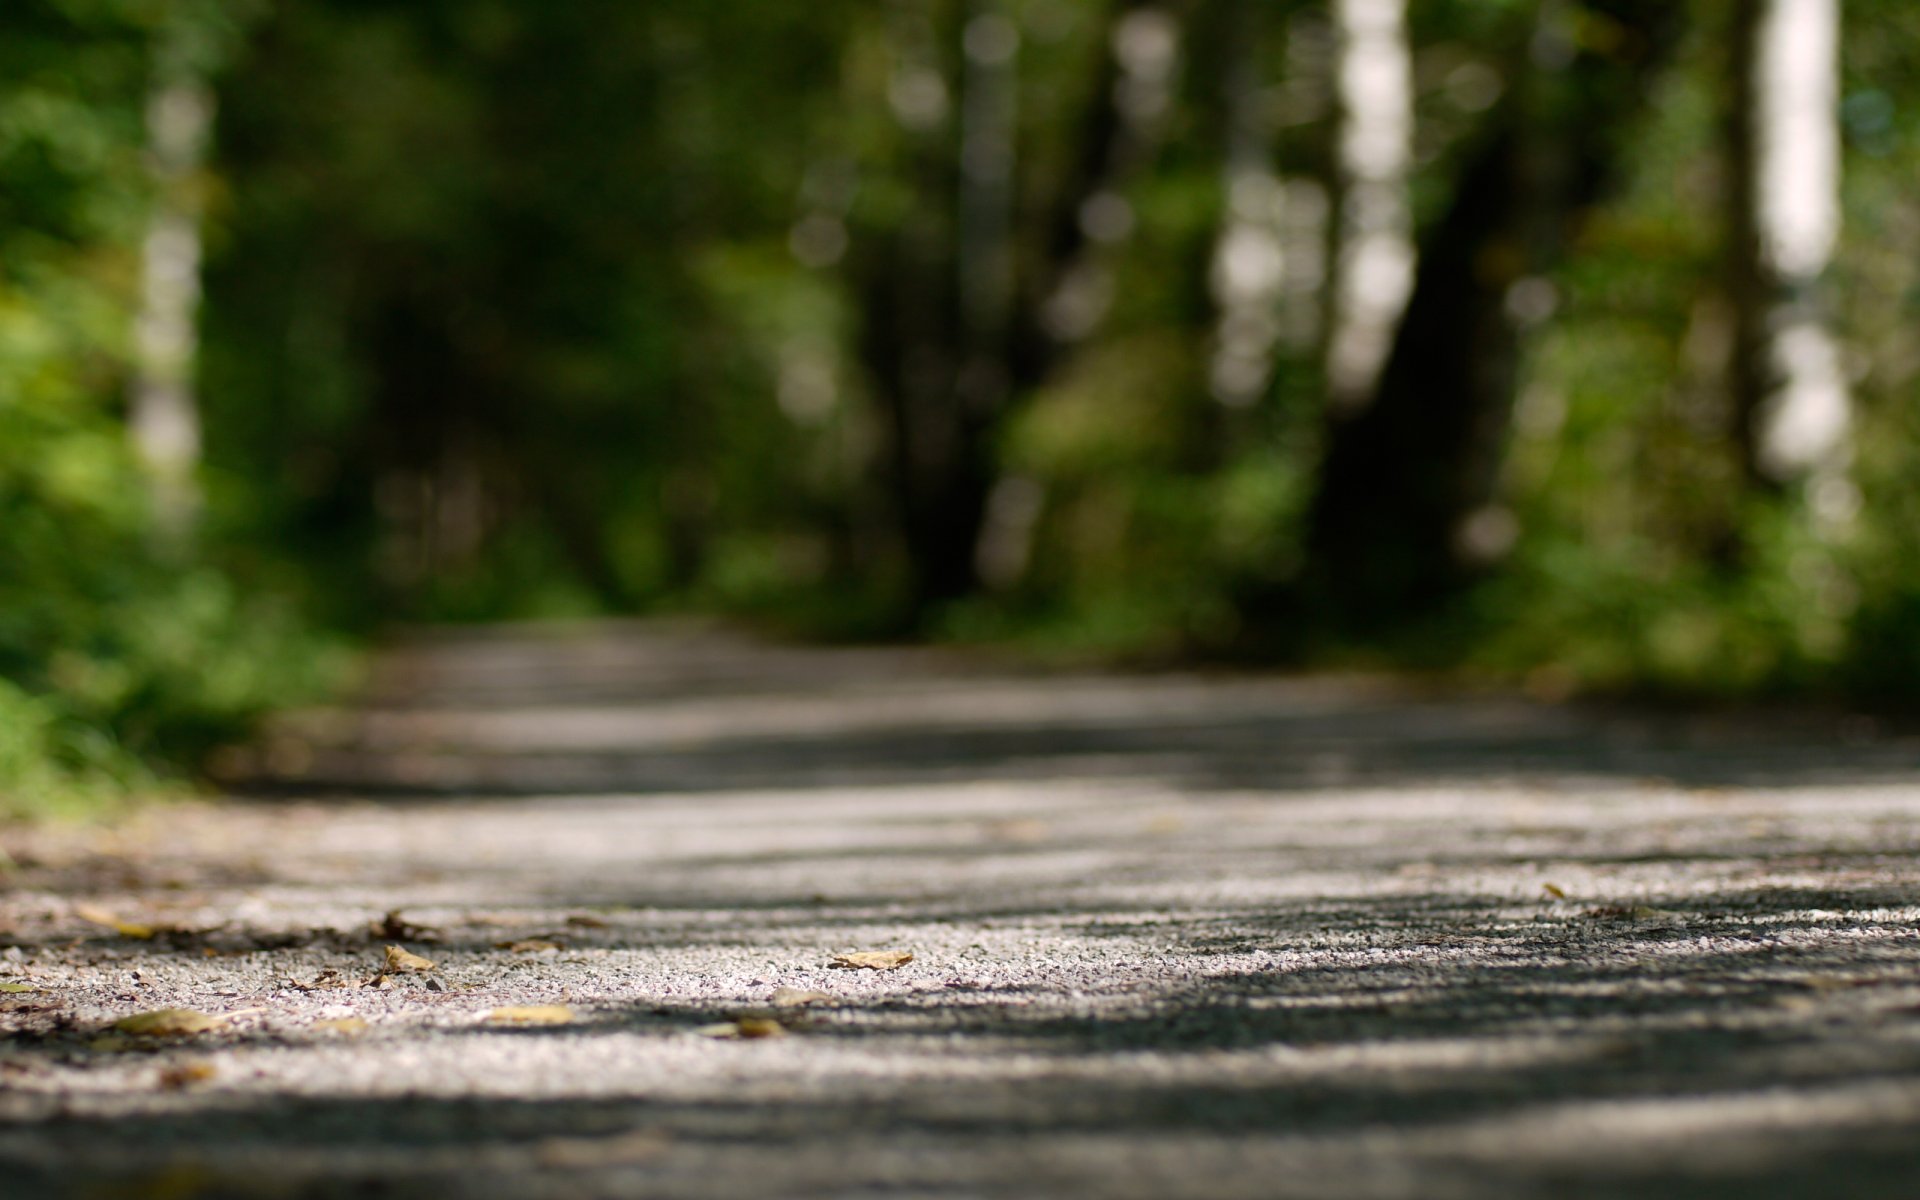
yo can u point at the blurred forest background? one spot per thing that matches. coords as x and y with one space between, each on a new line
1564 342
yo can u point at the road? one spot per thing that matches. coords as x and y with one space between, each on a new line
1171 935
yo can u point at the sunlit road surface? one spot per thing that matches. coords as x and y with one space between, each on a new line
1172 935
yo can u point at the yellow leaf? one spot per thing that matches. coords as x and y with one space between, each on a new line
744 1028
760 1027
346 1026
873 960
16 988
532 1014
100 916
170 1022
401 961
787 997
185 1075
1554 890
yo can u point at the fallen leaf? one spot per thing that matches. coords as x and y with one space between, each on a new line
528 946
401 961
14 989
872 960
1554 890
532 1014
760 1027
185 1075
170 1022
1020 830
619 1149
787 997
584 921
744 1028
345 1026
100 916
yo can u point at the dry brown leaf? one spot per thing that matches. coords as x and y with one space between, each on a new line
787 997
1554 890
587 921
100 916
528 946
187 1074
532 1014
400 961
872 960
345 1026
170 1022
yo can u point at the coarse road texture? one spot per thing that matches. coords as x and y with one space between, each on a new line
1172 935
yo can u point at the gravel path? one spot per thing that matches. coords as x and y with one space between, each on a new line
1170 936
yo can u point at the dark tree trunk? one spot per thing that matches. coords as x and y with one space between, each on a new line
950 337
1402 475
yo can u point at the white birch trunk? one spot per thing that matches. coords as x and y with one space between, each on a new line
1805 417
163 416
1374 259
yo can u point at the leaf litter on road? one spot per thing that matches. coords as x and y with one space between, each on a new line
743 1028
95 915
343 1026
187 1074
872 960
532 1014
401 961
171 1022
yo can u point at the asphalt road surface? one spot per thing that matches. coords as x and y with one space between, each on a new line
1170 935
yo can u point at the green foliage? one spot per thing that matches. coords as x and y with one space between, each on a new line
113 653
523 309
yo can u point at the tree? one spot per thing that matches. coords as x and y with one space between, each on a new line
191 42
1400 516
1791 404
966 297
1374 257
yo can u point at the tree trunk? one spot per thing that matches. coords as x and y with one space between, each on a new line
1401 516
1789 385
1249 268
951 334
1373 258
163 415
